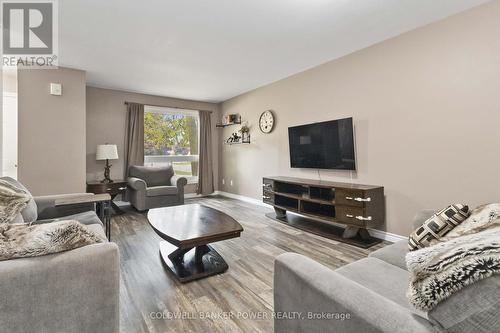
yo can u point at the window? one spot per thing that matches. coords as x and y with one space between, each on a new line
171 136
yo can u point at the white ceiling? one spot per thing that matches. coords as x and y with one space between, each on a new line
212 50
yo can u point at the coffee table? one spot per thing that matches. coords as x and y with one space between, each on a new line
187 231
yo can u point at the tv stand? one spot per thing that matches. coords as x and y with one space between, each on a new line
320 206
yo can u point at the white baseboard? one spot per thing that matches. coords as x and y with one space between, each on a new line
225 194
387 236
384 235
192 195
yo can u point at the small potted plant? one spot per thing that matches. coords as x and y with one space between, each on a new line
245 133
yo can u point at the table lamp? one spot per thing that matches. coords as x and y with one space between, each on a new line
106 152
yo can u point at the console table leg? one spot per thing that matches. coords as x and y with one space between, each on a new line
103 211
280 212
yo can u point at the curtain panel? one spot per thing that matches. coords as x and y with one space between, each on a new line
205 174
134 136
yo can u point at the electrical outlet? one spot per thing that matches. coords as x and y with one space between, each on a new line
231 182
223 181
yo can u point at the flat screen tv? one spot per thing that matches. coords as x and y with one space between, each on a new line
325 145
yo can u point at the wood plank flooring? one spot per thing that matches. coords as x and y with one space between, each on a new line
152 301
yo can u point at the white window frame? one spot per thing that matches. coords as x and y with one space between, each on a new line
150 160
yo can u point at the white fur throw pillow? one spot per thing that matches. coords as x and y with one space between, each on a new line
12 201
481 218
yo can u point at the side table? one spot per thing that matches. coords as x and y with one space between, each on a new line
113 189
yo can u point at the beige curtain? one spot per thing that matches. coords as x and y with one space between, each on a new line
206 174
134 136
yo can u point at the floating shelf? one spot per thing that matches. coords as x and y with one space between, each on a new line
226 125
237 143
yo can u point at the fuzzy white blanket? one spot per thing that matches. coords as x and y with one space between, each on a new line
462 258
23 240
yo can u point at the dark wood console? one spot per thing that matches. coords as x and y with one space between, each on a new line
354 205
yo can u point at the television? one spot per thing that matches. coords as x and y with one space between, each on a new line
325 145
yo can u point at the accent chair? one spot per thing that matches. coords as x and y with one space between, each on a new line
153 187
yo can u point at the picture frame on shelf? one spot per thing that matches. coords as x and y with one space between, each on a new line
229 120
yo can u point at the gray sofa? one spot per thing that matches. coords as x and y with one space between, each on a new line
373 292
69 292
152 187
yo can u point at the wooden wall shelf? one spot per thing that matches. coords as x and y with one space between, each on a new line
236 143
355 205
226 125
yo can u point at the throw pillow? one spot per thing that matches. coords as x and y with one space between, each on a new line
29 214
12 201
438 225
481 218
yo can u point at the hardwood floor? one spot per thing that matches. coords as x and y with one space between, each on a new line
150 297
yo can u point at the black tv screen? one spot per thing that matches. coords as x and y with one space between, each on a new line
325 145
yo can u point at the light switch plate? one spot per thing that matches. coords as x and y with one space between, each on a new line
56 89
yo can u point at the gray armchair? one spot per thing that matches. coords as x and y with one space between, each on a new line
152 187
76 291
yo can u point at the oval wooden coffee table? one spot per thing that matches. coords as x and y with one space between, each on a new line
187 231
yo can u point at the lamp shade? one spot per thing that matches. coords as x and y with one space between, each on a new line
106 152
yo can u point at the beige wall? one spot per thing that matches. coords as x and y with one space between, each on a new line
106 113
51 131
426 107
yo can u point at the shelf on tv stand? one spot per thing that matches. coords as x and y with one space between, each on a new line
324 218
356 206
301 197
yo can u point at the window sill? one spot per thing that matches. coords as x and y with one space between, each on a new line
191 180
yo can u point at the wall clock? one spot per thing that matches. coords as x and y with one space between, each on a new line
266 121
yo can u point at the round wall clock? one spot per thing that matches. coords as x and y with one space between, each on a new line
266 121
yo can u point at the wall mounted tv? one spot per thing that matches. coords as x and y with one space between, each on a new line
325 145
